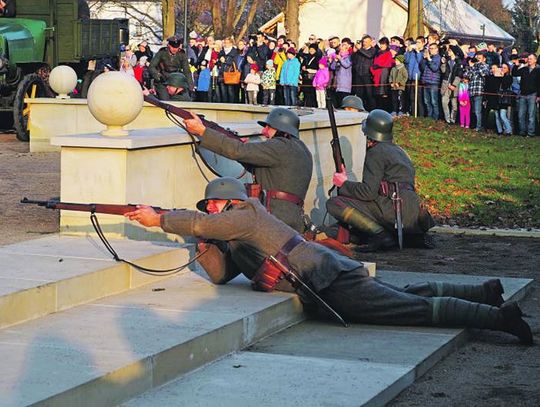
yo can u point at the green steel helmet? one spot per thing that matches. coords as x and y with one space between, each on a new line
178 80
353 101
284 120
378 126
223 188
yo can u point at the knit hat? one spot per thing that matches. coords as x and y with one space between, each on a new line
314 46
291 50
323 61
394 48
255 67
400 58
270 63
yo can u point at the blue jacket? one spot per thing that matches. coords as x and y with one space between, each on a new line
290 72
412 61
203 85
431 70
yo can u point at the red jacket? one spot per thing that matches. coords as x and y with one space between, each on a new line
382 60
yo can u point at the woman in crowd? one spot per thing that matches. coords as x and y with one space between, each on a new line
382 63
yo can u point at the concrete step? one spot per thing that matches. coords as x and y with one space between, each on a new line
322 364
54 273
113 349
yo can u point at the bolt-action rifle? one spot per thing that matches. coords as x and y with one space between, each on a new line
343 233
111 209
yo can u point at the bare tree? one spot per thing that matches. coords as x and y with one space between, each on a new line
415 20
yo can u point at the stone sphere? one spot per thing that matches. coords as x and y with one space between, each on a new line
115 99
63 80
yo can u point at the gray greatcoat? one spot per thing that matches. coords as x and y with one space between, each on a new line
388 162
342 282
281 163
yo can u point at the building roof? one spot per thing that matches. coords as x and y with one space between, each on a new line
456 18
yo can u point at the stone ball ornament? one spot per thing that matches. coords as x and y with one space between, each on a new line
63 80
115 99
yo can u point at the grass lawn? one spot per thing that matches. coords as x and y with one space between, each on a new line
473 179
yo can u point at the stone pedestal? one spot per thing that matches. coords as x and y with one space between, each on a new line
156 167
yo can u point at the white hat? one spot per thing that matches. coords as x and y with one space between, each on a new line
193 35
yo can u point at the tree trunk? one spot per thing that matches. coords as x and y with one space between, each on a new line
415 21
169 18
292 24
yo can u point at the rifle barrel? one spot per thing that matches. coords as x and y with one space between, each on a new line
111 209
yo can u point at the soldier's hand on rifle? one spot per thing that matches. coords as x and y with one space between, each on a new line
145 215
340 177
195 125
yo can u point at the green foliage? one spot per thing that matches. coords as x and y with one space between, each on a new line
526 24
474 179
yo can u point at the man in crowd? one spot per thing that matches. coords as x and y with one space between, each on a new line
431 79
166 61
340 281
452 72
282 165
368 206
413 56
362 60
477 73
529 74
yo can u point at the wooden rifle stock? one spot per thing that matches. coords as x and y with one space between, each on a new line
111 209
184 114
336 147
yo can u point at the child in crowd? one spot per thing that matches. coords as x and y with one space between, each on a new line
252 84
268 81
139 69
321 81
203 82
464 103
398 79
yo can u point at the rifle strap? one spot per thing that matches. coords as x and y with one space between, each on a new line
145 270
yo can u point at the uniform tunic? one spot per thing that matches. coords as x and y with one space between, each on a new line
342 282
388 162
165 63
281 163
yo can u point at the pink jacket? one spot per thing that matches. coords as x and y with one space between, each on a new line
321 79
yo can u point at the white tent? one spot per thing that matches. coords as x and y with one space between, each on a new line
354 18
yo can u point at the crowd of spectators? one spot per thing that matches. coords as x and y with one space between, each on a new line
466 84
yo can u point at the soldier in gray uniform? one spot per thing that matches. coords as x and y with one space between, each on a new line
367 206
177 88
342 282
168 60
282 165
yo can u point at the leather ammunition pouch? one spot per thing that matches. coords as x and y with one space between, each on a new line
283 196
388 188
268 274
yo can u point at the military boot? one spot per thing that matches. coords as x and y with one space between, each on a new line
381 241
449 311
490 292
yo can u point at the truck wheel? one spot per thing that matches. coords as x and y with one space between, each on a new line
32 86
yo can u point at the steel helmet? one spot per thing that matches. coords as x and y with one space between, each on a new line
282 119
353 101
378 126
178 80
223 188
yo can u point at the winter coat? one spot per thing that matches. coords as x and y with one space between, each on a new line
290 72
412 61
362 60
380 69
252 80
398 75
268 79
321 79
431 70
343 72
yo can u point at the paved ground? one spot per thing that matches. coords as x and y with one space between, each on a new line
491 370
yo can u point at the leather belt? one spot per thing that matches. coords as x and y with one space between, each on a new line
282 196
388 188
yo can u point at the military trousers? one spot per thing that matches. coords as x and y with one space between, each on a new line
363 299
364 216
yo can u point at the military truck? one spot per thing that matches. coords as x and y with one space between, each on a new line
41 35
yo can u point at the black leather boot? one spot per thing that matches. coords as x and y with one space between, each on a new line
514 323
381 241
494 291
